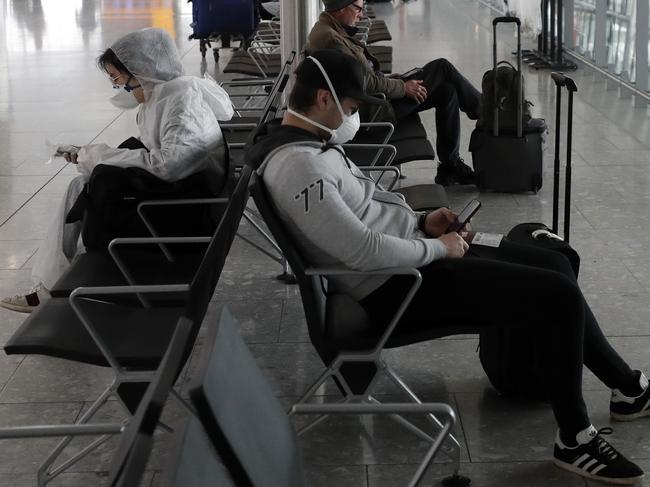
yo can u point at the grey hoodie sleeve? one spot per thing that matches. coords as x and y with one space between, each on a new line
307 194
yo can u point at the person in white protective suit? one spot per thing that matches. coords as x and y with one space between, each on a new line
179 135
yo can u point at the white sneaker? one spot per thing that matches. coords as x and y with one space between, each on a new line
26 303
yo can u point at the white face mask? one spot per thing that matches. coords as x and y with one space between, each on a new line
350 124
124 100
347 130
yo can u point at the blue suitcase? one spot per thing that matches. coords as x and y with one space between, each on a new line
211 18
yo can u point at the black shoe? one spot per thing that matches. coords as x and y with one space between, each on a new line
596 459
450 173
623 408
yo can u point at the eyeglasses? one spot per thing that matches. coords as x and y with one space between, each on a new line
114 82
126 85
357 8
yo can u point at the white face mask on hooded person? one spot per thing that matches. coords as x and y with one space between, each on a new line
124 100
350 124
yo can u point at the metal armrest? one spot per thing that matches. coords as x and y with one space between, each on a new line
249 82
396 174
441 409
379 148
82 292
242 125
173 202
46 431
245 109
384 408
113 252
248 95
391 271
265 36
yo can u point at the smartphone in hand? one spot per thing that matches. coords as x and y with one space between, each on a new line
464 217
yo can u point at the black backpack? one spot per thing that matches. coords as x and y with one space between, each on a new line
507 80
108 204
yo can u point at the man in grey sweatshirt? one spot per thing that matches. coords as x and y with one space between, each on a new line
339 218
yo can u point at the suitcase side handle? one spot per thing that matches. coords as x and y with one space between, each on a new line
506 20
561 81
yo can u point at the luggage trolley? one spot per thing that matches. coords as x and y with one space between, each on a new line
221 20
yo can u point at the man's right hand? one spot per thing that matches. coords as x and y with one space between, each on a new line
456 246
70 157
415 90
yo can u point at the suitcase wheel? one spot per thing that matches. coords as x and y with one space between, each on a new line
537 184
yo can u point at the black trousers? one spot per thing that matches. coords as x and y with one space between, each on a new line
448 92
515 286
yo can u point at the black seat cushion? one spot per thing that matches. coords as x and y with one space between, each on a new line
382 53
138 337
147 266
379 32
413 150
409 127
407 150
242 62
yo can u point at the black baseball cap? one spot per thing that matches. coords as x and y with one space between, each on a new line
344 71
334 5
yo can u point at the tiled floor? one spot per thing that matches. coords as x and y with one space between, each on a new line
50 90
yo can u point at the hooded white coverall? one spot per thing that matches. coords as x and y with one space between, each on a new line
178 123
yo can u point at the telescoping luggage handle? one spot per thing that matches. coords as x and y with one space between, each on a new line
520 98
561 81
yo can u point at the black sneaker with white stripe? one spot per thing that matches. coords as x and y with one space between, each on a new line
596 459
624 408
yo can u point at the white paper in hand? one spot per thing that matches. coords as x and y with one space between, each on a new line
58 150
487 239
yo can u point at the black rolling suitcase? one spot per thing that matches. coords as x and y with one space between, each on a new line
505 160
511 358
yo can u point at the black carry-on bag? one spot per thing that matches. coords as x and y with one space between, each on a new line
508 161
512 359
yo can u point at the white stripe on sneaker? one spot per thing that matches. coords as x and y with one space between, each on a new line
584 457
597 469
589 464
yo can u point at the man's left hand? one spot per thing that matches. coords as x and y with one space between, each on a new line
438 221
415 90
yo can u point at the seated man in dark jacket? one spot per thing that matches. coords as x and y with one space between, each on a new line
438 86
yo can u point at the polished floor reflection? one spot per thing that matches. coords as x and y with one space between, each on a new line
50 90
